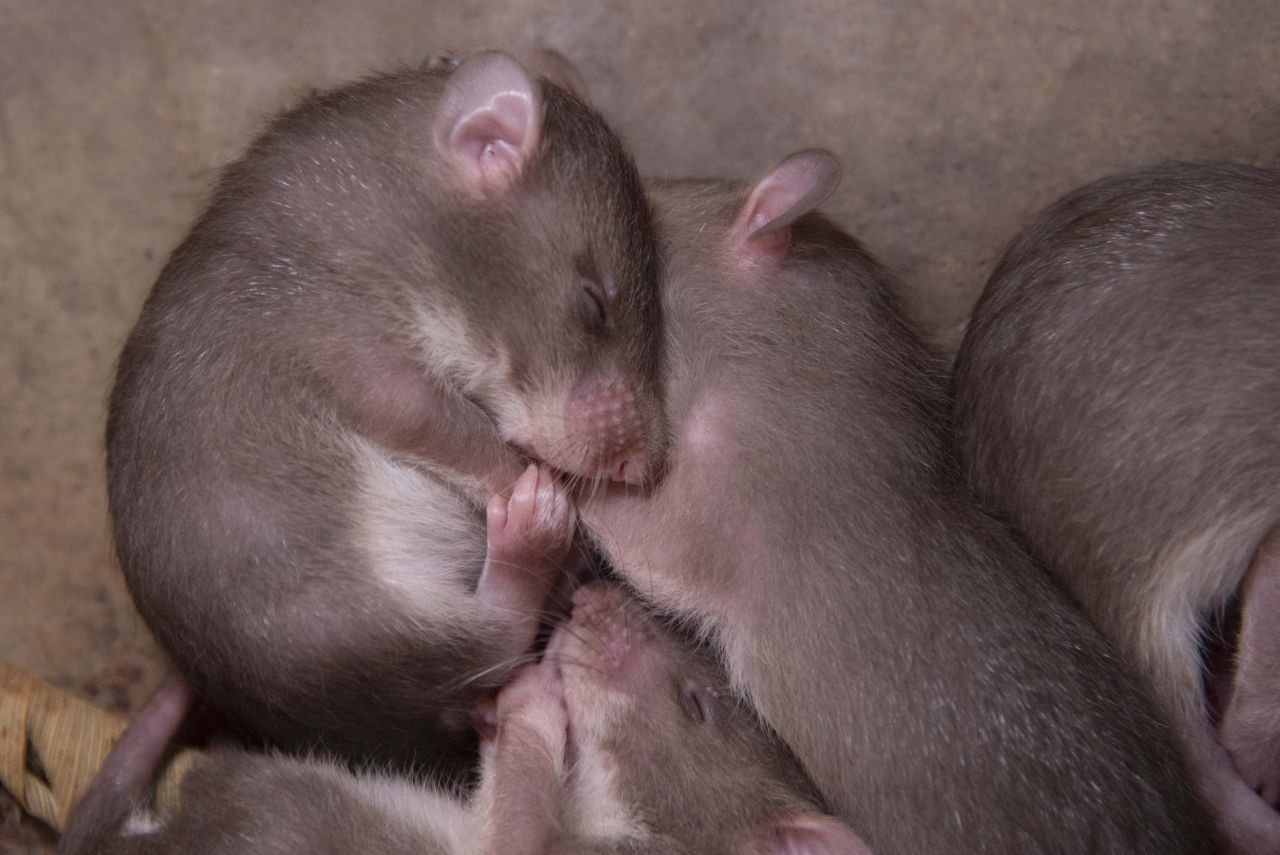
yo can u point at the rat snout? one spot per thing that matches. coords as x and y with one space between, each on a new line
603 415
627 467
616 633
595 597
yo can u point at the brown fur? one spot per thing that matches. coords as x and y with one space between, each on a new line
686 785
691 781
1118 396
291 409
236 803
944 696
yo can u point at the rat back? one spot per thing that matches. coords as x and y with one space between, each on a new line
943 694
1118 386
236 803
1117 396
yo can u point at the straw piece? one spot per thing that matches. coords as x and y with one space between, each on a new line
52 745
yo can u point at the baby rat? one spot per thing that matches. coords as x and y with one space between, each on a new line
623 739
664 757
398 284
1118 396
941 692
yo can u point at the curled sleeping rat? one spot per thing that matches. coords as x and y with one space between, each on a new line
941 692
1118 397
399 284
623 739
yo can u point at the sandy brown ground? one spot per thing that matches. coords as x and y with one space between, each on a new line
955 120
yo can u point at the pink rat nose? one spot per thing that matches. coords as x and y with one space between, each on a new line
603 414
619 635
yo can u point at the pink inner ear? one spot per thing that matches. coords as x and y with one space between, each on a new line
770 200
493 141
766 204
754 240
791 189
489 120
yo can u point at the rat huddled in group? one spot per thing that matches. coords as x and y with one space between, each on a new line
435 357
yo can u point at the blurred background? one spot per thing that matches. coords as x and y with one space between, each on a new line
955 119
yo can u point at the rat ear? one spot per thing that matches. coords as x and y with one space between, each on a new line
792 189
806 834
556 67
490 121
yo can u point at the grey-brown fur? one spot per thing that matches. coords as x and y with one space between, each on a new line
941 692
690 786
693 781
1118 398
278 355
237 803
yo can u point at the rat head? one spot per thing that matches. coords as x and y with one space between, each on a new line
663 750
552 322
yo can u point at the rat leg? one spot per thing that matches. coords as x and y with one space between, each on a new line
1250 728
394 401
524 764
1169 648
528 545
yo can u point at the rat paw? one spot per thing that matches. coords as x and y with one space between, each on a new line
532 530
529 536
533 704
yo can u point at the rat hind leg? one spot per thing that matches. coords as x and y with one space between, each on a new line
1165 644
1250 726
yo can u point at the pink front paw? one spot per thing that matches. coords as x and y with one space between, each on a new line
529 537
533 703
531 531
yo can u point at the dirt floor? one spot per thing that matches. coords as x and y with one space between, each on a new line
956 119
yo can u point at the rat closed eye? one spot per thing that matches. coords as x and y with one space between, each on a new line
588 756
940 692
327 382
